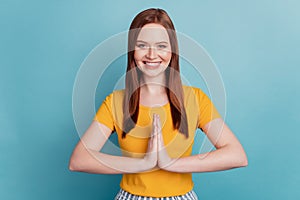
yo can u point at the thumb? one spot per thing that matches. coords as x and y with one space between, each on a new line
156 133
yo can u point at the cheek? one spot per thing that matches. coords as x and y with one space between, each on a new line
138 55
166 55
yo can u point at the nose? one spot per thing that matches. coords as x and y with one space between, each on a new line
151 54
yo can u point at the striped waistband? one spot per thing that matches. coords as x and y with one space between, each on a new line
124 195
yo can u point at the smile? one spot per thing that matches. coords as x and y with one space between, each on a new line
152 64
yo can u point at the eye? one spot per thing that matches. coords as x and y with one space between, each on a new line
142 46
161 46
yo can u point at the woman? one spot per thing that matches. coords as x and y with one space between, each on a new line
156 117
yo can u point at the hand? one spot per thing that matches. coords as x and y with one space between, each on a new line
151 154
164 160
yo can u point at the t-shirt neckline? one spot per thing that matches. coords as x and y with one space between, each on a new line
148 107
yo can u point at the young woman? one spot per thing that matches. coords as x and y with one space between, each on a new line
155 118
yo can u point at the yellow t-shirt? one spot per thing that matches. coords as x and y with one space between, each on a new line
157 183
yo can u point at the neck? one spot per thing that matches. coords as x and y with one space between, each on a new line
154 85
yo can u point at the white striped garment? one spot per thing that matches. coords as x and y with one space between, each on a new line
124 195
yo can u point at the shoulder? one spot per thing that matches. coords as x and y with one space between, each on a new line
116 97
188 90
118 93
115 94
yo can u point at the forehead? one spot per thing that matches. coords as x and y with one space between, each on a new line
153 33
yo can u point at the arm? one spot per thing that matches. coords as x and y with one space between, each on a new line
87 158
229 152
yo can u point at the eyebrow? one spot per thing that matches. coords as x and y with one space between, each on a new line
155 43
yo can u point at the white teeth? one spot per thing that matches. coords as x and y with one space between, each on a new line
153 64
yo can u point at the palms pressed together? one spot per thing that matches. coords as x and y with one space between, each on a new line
156 154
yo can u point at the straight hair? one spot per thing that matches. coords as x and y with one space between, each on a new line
133 74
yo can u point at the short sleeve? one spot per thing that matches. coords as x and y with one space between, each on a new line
207 110
104 114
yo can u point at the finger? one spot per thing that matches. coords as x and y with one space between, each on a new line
150 141
153 126
156 133
159 141
154 143
158 123
158 126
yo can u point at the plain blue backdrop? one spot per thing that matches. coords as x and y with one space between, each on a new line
255 45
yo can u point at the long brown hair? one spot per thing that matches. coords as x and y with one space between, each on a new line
133 75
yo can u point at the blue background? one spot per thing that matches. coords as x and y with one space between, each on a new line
43 43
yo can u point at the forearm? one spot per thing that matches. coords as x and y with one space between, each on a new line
100 163
221 159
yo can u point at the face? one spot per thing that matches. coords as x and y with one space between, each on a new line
152 52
